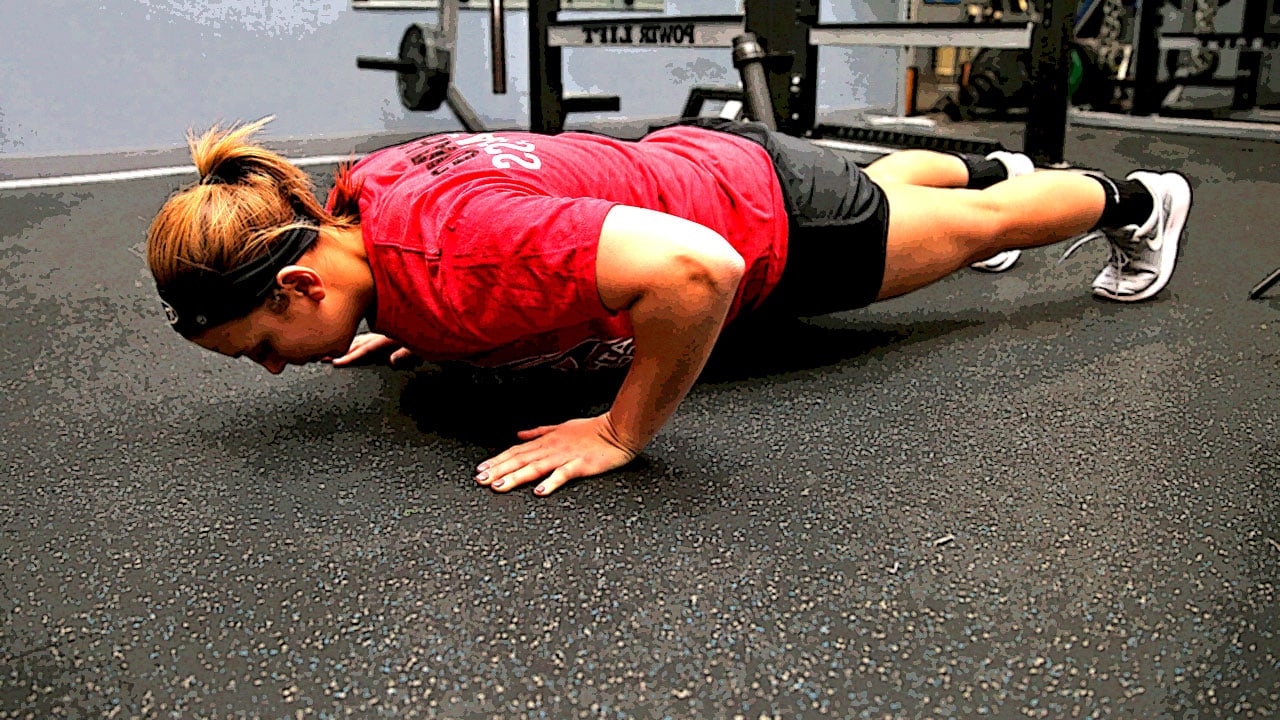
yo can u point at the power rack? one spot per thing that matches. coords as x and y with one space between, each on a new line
784 39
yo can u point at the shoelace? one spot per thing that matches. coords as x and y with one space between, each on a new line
1117 240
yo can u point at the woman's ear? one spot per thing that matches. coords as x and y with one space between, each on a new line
302 280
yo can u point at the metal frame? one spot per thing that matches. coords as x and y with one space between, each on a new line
647 31
1269 131
998 36
791 40
585 5
1242 120
791 69
1046 127
790 36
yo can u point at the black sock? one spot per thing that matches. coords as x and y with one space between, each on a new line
1128 202
983 173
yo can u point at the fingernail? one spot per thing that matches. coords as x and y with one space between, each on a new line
497 484
482 476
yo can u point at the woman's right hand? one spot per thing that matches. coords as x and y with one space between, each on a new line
365 345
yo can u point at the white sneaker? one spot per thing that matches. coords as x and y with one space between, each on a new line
999 262
1016 164
1142 257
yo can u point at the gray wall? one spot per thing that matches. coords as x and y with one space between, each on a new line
80 77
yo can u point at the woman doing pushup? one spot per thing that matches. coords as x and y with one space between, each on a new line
580 252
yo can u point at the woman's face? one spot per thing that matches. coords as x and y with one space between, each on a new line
306 330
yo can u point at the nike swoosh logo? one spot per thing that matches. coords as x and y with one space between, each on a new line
1156 240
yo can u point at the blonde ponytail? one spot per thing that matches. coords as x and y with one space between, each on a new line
246 199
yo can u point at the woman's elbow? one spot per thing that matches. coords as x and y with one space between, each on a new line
720 272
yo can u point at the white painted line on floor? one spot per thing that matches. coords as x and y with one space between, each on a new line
123 175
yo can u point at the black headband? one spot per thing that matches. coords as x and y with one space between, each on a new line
208 299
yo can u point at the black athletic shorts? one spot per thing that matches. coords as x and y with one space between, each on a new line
838 224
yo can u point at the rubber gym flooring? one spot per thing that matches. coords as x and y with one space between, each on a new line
998 497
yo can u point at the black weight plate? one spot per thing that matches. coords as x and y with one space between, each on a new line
426 88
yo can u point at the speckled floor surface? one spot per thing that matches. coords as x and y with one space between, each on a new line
998 497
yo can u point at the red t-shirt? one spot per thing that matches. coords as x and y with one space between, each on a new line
483 246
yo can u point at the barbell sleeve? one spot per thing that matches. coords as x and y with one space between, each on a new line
378 63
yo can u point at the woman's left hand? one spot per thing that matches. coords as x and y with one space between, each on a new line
559 453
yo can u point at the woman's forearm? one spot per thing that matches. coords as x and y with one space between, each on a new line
676 280
676 326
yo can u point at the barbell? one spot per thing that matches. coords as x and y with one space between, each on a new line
423 69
